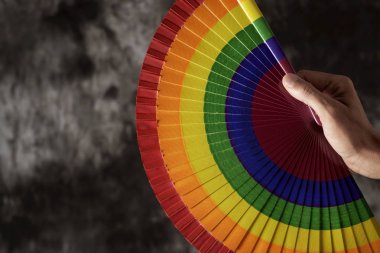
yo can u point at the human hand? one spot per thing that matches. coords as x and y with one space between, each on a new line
344 122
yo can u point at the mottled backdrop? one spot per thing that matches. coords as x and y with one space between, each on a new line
71 179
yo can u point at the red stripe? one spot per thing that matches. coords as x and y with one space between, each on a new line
146 125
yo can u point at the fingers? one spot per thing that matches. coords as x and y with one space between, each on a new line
319 79
339 87
305 92
322 80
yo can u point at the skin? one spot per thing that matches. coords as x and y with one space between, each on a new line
344 122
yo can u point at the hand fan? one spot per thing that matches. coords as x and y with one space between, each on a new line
235 162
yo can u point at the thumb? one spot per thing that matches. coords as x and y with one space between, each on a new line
305 92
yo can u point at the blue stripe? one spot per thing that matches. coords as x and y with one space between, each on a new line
255 161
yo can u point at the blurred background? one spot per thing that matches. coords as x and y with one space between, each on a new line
71 178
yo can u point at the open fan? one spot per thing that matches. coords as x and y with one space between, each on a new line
235 162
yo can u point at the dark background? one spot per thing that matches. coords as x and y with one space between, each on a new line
71 179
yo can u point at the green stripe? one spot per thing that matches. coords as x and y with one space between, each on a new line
264 201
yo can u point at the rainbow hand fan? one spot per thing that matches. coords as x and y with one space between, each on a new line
236 163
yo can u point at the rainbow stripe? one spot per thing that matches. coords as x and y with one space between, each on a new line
211 122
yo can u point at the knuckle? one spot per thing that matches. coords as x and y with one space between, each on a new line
346 80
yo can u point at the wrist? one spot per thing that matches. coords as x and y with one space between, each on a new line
367 159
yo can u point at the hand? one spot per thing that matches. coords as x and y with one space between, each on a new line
344 122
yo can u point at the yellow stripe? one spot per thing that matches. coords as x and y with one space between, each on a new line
250 8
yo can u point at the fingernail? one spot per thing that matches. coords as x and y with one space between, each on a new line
290 80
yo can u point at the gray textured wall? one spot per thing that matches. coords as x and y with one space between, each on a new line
70 175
